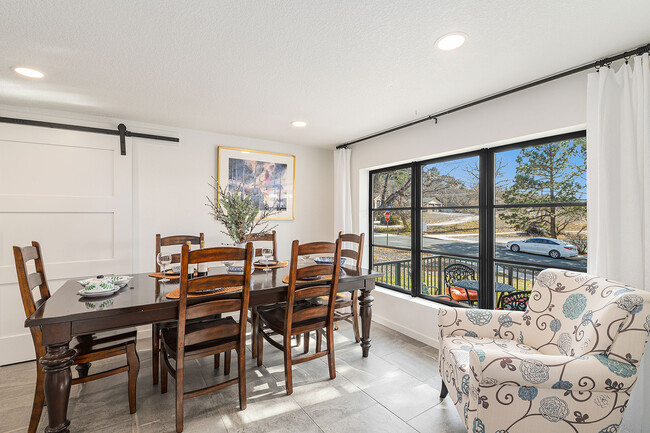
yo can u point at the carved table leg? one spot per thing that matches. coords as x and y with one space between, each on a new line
58 379
365 307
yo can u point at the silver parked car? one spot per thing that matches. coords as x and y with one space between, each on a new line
544 246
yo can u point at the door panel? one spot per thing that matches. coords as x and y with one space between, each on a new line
71 192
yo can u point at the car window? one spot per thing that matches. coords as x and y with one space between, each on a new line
534 241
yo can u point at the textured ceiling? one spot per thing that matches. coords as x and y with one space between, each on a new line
244 67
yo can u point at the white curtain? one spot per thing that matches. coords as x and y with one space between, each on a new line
618 188
342 192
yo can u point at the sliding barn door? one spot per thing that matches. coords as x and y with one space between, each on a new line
71 192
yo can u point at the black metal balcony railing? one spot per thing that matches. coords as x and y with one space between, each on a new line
398 273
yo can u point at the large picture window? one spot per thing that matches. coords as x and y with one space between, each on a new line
476 229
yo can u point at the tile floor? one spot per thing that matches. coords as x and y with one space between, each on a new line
395 389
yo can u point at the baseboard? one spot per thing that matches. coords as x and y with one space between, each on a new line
424 338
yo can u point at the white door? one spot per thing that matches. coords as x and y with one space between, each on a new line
71 192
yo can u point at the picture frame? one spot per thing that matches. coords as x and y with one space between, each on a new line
269 176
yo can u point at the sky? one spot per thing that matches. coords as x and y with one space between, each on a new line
459 168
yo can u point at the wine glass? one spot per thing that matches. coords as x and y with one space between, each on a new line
163 260
267 253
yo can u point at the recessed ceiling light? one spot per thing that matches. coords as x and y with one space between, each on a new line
298 124
451 41
28 72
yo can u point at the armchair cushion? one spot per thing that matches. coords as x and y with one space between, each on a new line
498 364
474 322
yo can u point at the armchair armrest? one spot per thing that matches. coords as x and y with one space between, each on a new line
479 323
493 366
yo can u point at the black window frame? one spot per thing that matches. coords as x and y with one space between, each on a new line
487 208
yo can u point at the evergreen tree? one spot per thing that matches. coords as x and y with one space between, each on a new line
549 173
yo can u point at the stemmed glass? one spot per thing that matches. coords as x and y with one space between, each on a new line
267 253
163 260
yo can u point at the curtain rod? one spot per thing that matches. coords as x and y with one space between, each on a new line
121 130
597 64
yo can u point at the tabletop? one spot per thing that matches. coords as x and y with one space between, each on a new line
147 293
473 285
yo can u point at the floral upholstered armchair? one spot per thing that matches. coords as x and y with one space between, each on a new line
566 364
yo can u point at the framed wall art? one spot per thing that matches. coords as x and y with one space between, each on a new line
269 177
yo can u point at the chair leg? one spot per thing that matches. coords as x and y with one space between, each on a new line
241 365
254 333
443 390
298 341
330 352
306 348
155 351
355 316
260 347
288 377
82 369
163 372
217 360
226 363
179 395
39 399
133 362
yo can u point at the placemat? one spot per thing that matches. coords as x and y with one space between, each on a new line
176 293
161 275
281 264
285 279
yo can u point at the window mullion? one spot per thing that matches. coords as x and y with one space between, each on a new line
486 229
416 228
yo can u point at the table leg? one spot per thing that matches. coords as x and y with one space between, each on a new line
58 379
365 304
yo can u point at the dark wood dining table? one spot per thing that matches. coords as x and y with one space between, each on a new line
66 315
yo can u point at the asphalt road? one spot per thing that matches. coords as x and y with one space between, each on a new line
450 247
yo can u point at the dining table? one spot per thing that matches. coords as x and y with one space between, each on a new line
143 301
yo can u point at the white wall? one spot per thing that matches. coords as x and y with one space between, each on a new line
180 173
552 108
170 182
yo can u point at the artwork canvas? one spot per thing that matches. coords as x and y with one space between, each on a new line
269 177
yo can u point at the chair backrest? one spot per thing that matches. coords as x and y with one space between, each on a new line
324 311
354 254
458 271
576 314
194 308
175 240
264 237
26 281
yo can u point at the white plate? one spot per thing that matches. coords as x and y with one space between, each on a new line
117 280
101 294
120 281
98 287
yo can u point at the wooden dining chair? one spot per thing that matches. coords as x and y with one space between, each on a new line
168 241
296 317
88 348
350 299
259 237
264 237
192 340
